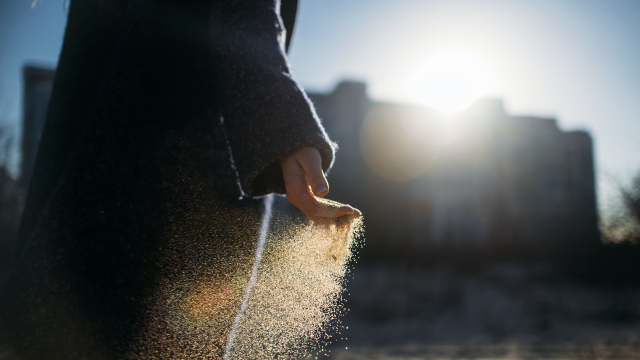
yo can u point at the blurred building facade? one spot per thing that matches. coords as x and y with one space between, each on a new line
481 180
37 86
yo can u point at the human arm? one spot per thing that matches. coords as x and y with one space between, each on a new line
266 113
271 125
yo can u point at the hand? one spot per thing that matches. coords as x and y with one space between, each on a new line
306 185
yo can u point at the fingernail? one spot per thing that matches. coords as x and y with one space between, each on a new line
320 190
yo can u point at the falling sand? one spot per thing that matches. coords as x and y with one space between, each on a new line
277 297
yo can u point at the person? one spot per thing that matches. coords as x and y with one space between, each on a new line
170 122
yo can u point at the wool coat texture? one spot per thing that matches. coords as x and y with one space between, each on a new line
167 120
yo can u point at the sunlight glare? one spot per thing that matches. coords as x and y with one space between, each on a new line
452 80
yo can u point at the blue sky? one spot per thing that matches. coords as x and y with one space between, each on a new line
575 60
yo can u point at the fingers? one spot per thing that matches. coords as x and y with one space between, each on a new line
311 162
299 193
305 185
316 208
335 209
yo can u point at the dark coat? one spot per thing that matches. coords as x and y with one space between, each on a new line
163 113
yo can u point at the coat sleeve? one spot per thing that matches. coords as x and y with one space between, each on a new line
266 113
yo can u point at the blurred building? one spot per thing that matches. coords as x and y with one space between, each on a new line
37 84
482 179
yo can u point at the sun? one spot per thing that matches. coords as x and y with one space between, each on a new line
451 81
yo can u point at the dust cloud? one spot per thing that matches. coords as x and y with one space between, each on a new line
225 295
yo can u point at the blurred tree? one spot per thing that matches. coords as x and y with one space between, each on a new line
622 224
10 202
618 261
631 199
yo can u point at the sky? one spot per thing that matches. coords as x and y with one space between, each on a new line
575 60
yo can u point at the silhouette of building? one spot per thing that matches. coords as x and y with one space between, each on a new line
482 179
38 83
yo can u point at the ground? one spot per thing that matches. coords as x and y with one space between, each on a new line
500 312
